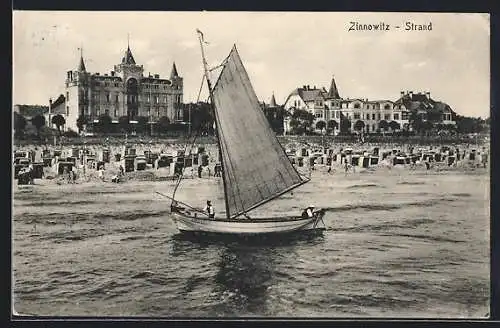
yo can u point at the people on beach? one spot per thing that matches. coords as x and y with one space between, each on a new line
210 210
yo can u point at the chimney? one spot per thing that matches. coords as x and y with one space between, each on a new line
314 88
428 94
112 73
304 87
308 87
105 74
402 94
157 76
410 93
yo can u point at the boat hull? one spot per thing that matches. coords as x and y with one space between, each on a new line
262 226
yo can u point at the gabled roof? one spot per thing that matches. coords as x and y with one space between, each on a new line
58 106
128 58
307 94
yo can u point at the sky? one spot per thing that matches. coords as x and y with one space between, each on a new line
280 50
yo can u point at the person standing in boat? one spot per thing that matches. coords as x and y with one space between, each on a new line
210 210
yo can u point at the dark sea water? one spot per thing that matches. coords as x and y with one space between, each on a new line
398 243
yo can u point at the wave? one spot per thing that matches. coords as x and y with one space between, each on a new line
72 217
427 237
375 207
368 185
132 238
411 183
371 300
144 274
461 194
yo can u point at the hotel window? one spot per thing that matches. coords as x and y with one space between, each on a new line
148 99
106 111
157 99
373 117
116 112
367 116
106 84
404 115
387 117
158 112
356 105
67 96
107 97
378 116
116 98
149 111
116 84
97 111
387 107
396 116
356 116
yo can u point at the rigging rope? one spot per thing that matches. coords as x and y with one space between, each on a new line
187 144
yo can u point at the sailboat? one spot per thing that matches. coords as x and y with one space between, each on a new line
255 167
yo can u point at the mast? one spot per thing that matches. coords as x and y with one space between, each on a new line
205 67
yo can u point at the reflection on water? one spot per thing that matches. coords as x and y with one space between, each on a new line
244 274
245 268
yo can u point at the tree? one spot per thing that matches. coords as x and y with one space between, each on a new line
19 124
321 125
296 126
38 121
200 116
345 124
124 123
142 123
275 116
304 119
426 127
383 125
332 125
359 125
105 122
394 126
58 120
81 121
164 123
416 122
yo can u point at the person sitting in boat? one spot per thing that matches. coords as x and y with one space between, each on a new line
308 213
210 210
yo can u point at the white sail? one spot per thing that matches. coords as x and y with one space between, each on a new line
256 168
